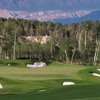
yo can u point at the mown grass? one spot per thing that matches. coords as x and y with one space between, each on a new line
37 78
86 75
54 70
25 83
78 92
40 73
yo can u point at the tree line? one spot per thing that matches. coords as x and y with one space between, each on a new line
73 43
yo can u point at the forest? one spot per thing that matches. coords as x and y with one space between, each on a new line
77 43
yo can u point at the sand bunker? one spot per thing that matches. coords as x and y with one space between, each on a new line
95 74
68 83
41 90
1 86
98 69
36 65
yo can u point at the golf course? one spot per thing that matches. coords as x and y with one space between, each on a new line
22 83
49 50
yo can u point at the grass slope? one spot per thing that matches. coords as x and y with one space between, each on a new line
79 92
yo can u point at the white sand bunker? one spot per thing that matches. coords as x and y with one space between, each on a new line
95 74
68 83
98 69
41 90
1 86
36 65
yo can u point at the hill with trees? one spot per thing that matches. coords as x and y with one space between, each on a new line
74 43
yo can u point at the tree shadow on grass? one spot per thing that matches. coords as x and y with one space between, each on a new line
48 62
9 63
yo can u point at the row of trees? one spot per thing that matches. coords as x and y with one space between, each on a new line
75 43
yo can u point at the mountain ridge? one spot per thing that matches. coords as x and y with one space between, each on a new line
94 15
43 15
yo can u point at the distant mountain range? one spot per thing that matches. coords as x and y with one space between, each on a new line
43 5
94 15
64 11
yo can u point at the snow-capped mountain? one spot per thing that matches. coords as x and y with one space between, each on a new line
43 15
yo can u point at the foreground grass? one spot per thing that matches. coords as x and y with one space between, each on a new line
78 92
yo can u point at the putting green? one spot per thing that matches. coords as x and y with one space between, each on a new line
40 73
